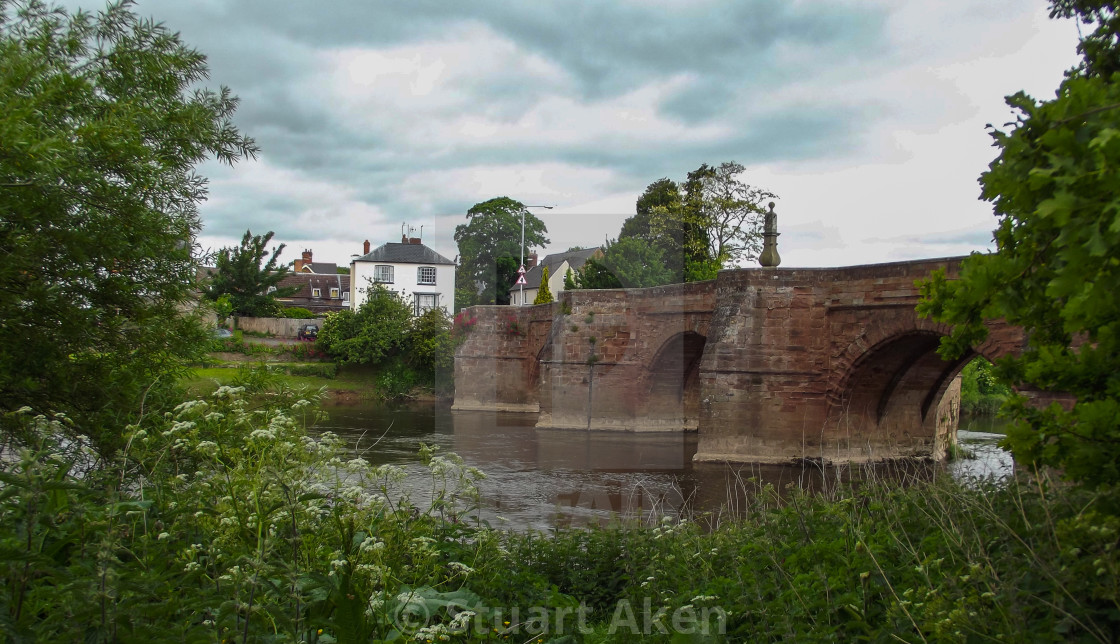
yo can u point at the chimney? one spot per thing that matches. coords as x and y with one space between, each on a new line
415 241
532 261
404 238
365 248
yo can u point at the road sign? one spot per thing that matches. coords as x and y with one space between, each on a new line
521 270
521 280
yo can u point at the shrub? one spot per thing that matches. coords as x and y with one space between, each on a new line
297 313
225 520
981 392
375 333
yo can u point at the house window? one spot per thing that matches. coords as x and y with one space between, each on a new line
383 274
346 296
334 293
426 275
425 301
316 293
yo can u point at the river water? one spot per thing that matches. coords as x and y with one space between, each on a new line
539 479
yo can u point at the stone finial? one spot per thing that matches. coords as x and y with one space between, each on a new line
769 257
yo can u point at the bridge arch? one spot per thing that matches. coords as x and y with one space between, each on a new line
672 381
894 392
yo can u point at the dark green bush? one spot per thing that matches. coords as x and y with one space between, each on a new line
296 313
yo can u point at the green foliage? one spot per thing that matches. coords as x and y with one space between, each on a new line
409 350
101 127
569 280
981 390
223 307
1056 192
296 313
683 233
657 226
225 520
544 294
237 344
430 341
626 263
222 522
374 333
250 284
396 379
872 564
315 369
490 246
731 213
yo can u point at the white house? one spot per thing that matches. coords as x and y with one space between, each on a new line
558 266
422 276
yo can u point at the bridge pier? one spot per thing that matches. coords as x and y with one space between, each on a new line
768 366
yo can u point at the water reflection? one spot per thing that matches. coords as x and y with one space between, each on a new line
545 478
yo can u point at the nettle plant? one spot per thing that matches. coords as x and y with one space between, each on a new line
225 520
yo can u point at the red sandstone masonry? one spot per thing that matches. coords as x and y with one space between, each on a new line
769 365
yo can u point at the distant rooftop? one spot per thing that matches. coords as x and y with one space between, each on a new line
404 254
575 258
325 268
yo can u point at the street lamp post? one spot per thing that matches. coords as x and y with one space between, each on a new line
521 301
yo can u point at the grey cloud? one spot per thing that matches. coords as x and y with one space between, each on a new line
979 237
265 51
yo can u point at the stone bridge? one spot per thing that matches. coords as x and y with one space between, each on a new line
769 365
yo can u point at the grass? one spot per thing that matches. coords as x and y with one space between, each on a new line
224 520
205 380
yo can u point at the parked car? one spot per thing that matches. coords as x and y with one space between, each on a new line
223 333
308 332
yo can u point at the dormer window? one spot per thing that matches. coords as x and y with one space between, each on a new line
334 293
316 293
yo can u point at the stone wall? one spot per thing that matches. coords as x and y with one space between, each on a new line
278 327
596 369
497 365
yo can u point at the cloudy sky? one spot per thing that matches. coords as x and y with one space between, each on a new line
867 118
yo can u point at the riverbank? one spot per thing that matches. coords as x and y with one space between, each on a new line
263 363
226 520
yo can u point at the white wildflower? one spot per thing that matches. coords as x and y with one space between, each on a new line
460 568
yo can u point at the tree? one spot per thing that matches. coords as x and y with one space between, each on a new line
569 280
251 285
663 197
223 308
431 349
1055 187
375 333
732 212
100 131
493 232
713 220
544 295
626 263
